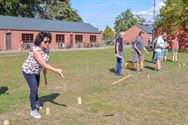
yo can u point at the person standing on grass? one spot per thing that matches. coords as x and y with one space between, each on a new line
159 54
134 57
153 50
119 53
139 47
165 51
35 62
175 47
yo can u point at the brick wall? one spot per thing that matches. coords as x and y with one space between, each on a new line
133 32
16 37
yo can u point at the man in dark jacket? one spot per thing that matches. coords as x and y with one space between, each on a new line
119 53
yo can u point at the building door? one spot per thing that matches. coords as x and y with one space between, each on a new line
8 41
71 40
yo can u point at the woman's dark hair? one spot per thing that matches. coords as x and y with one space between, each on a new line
141 32
41 36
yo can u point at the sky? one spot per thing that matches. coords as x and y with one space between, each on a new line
100 13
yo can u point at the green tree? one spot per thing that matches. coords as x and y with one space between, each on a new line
23 8
107 33
45 9
174 15
59 10
126 20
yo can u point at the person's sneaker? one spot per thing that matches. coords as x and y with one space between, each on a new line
35 114
141 70
38 105
119 75
162 69
137 70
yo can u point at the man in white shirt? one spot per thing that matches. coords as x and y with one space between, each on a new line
159 46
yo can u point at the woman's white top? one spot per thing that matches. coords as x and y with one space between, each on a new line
30 65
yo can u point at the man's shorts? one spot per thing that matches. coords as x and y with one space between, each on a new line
159 55
165 52
174 50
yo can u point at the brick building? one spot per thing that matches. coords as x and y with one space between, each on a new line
132 32
13 30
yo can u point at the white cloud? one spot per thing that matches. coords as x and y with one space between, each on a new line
159 4
149 13
107 4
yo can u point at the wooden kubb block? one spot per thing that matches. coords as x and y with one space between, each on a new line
6 122
48 111
148 76
79 100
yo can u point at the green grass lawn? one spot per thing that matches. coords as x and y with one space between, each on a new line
160 100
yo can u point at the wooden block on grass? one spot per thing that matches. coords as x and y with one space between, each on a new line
48 112
6 122
79 100
148 76
120 80
183 64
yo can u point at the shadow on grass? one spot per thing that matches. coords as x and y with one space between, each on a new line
169 60
3 89
149 67
51 98
148 61
132 69
112 70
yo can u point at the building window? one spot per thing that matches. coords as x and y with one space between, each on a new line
27 38
78 38
93 38
60 38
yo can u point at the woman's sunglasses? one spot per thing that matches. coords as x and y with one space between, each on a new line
47 41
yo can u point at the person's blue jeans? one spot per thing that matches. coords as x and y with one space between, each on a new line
119 65
33 82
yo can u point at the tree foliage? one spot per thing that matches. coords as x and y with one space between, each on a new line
174 15
126 20
45 9
60 10
107 33
23 8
